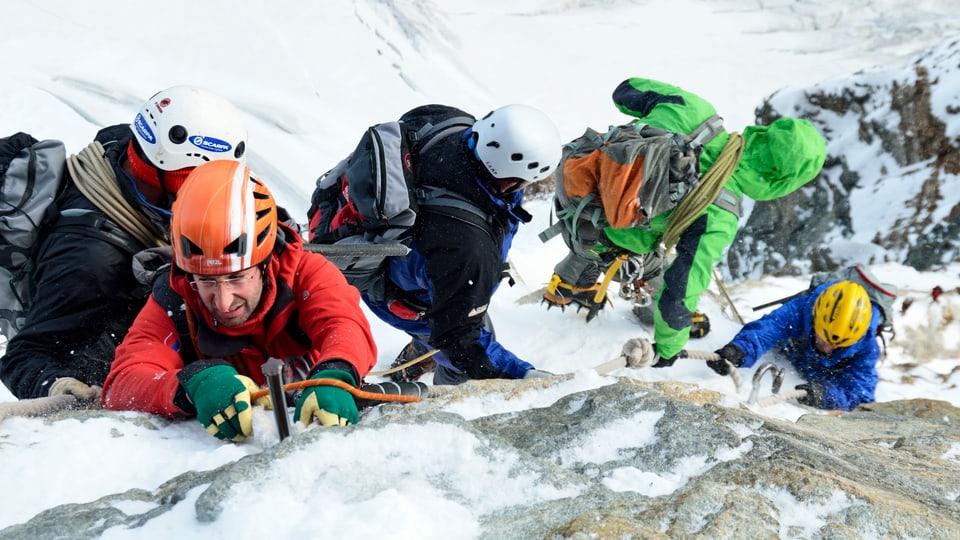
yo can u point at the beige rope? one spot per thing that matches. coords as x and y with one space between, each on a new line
94 177
780 398
405 365
37 406
706 192
726 295
709 355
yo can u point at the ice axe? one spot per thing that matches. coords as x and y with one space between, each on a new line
358 250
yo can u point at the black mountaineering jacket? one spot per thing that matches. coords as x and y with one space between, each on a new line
87 295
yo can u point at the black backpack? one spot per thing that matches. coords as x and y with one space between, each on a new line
31 179
371 198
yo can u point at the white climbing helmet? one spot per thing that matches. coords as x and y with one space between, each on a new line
518 141
186 126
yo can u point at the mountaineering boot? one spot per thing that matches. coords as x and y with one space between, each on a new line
559 293
699 322
699 325
413 372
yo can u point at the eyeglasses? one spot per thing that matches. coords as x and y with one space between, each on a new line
206 285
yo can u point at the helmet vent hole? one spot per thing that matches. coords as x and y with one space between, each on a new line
241 148
516 156
493 144
532 166
177 134
237 247
189 248
264 234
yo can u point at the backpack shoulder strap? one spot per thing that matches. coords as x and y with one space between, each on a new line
169 300
706 131
94 224
429 134
292 327
438 199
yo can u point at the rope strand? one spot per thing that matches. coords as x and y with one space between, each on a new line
94 177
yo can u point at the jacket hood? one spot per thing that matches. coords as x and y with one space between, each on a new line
779 158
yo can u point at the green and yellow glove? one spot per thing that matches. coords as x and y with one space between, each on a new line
331 406
222 399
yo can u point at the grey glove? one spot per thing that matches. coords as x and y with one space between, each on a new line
70 386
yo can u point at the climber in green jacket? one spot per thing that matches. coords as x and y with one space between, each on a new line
776 160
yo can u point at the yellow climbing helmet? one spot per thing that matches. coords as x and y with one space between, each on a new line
841 314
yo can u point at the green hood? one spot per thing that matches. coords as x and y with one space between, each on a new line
779 158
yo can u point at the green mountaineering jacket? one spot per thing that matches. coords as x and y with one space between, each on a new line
777 159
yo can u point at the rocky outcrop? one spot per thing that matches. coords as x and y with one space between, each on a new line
683 466
890 188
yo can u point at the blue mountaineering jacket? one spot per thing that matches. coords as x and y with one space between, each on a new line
848 375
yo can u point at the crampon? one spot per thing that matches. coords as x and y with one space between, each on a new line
563 294
410 352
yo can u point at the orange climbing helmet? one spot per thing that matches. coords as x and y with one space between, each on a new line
224 220
841 314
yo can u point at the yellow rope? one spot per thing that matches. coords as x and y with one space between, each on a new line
94 177
706 192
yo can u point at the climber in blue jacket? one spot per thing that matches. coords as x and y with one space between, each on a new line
828 334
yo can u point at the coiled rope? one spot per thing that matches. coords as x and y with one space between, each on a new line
95 178
780 398
706 192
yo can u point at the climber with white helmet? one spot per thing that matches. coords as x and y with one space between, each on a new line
439 293
116 203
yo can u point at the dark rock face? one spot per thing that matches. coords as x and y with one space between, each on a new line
889 188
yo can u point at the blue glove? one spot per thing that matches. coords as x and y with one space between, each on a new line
331 406
222 399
